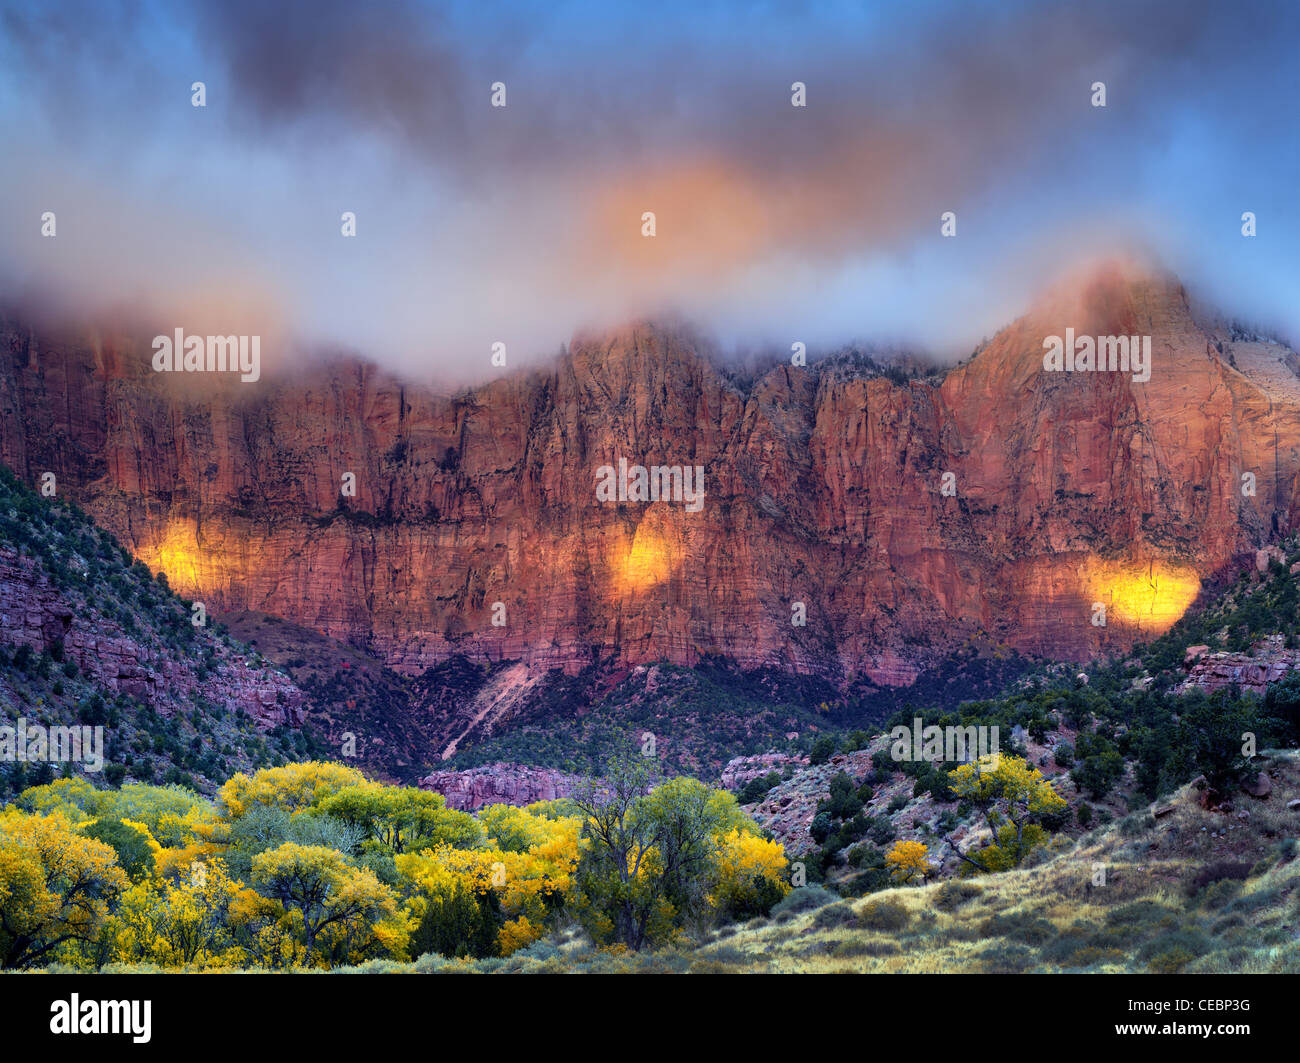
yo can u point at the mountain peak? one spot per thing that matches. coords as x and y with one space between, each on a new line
1108 296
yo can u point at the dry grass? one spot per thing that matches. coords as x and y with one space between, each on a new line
1123 899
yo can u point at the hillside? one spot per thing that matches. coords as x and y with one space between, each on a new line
1191 891
1113 737
89 638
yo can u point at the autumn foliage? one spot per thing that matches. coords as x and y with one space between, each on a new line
908 861
1013 797
313 865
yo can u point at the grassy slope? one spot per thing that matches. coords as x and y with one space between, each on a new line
1162 907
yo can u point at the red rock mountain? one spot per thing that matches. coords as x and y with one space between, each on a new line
823 485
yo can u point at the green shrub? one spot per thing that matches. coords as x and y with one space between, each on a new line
843 802
821 827
1170 953
954 893
1006 959
871 880
758 788
822 750
1220 870
804 899
1030 931
1171 961
1140 914
887 914
882 831
835 915
866 855
864 947
1217 894
1091 955
1253 902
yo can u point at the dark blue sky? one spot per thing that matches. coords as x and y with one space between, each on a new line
522 224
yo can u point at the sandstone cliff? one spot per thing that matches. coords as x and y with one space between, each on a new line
822 486
35 614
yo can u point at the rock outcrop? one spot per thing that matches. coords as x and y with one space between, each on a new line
1268 662
500 784
740 770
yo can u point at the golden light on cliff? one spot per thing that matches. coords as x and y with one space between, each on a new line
649 559
1151 595
178 554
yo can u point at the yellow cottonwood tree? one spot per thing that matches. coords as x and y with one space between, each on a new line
517 934
75 799
1014 796
181 922
401 818
342 912
751 873
513 828
908 861
291 787
56 887
264 930
528 885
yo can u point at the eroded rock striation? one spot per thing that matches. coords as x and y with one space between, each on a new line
823 486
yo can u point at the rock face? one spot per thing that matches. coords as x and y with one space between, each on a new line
1268 663
823 486
500 784
740 770
789 808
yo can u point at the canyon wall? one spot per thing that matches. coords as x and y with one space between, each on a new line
822 485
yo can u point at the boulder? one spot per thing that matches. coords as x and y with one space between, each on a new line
1258 785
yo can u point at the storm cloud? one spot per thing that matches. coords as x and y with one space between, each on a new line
524 223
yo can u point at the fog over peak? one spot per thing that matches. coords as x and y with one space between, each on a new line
523 224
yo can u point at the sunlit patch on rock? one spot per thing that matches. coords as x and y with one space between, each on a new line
650 559
179 555
1150 595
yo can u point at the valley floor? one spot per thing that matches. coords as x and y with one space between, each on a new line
1192 891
